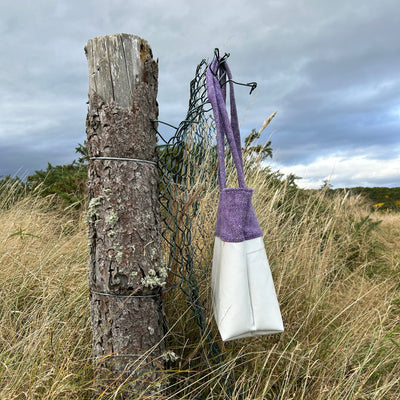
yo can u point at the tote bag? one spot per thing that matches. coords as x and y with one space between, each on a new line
243 293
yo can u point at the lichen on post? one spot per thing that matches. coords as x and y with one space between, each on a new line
126 271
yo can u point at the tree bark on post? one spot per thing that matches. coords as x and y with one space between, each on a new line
126 272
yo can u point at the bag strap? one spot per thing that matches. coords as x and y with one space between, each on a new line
215 78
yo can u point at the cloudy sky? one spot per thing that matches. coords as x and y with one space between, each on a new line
330 69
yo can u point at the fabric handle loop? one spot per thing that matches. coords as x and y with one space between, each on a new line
224 126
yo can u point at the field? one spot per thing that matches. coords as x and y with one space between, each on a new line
336 271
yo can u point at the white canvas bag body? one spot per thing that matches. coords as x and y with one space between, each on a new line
243 293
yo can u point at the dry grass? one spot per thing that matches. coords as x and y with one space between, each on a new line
44 328
336 273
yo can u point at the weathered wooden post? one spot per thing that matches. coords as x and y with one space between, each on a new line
126 271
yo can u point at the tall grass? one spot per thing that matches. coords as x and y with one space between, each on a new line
336 272
44 327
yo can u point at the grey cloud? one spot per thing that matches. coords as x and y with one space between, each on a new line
329 68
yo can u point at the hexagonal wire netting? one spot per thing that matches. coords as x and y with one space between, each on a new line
188 165
188 197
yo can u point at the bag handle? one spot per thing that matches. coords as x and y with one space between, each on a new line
215 78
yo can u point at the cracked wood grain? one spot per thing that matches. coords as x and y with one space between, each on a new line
123 213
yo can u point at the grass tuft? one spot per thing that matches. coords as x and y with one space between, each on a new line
336 272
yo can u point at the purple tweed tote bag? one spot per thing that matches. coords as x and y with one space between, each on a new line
243 293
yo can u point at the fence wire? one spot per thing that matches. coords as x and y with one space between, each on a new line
189 192
187 163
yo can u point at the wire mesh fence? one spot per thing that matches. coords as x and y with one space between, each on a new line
187 164
189 193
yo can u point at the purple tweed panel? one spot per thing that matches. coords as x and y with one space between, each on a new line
236 218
